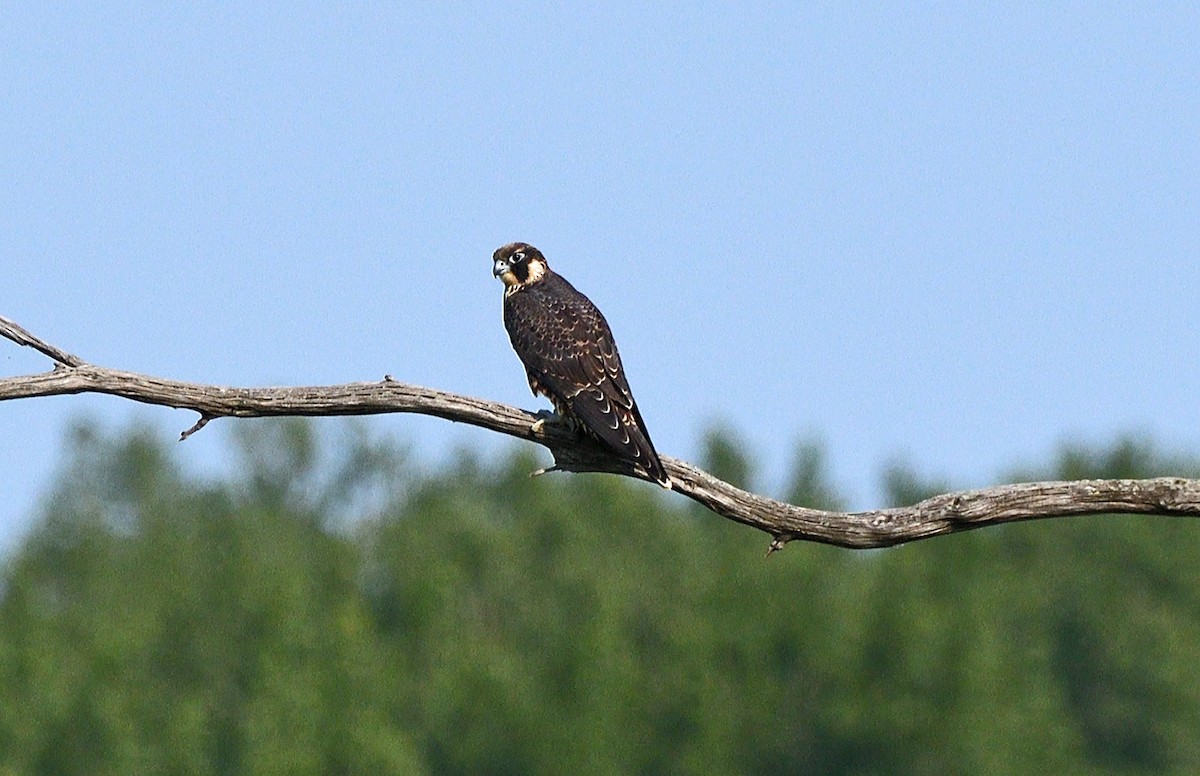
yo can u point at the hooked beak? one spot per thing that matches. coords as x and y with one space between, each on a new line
499 267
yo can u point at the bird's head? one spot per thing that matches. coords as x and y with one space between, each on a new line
518 264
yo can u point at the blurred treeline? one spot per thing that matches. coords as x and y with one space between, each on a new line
334 606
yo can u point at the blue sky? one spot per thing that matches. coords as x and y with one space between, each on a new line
956 235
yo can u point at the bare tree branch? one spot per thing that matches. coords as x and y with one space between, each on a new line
18 335
943 514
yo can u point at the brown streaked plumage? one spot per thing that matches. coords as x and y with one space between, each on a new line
570 355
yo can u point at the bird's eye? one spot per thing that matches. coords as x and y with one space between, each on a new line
518 256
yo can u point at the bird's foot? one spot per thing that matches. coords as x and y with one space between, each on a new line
544 417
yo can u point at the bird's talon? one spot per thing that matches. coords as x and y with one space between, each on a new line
544 417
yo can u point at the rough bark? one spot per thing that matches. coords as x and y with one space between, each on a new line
942 514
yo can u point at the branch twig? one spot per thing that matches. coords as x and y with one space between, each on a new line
12 331
943 514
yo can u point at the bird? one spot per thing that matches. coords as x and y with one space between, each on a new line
570 356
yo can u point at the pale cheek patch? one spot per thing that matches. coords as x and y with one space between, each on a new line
509 278
536 270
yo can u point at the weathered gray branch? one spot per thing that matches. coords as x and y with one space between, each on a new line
877 528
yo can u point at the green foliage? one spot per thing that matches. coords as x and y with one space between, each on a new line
328 608
725 457
904 486
811 484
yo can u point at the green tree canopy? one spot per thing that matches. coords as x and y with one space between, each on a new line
333 606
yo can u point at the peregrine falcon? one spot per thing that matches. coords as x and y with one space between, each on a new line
570 355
